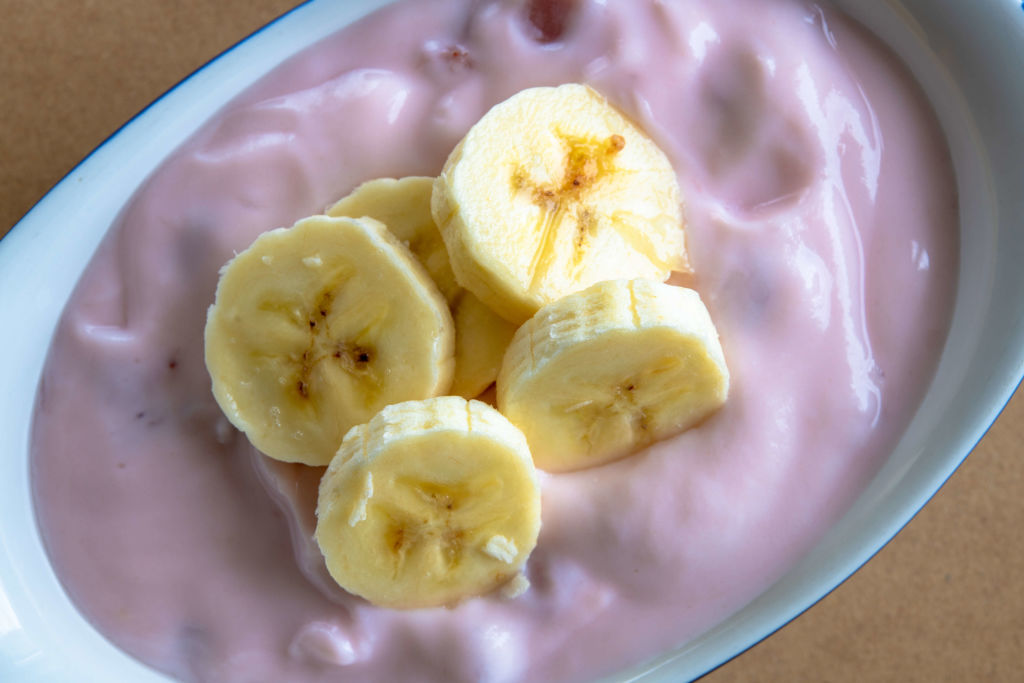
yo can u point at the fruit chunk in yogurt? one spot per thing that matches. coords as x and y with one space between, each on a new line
428 503
317 327
815 178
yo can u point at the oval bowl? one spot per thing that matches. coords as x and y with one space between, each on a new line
946 43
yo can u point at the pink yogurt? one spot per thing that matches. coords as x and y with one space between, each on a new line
822 228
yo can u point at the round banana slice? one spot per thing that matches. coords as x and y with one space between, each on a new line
481 338
317 327
481 335
429 503
603 372
403 205
552 191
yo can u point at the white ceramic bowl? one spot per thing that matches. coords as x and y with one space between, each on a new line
960 52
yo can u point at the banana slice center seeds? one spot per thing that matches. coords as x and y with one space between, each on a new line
564 212
352 357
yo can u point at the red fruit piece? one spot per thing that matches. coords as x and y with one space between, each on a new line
551 19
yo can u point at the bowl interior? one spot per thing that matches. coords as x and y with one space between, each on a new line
956 50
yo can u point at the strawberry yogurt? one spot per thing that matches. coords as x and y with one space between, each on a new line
822 228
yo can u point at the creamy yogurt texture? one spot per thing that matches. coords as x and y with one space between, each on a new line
822 228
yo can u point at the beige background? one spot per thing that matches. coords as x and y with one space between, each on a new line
943 602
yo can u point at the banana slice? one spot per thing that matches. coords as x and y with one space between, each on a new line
317 327
603 372
429 503
552 191
481 338
481 335
403 205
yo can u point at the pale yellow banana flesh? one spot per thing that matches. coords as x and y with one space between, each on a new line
403 205
317 327
552 191
345 326
601 373
481 338
429 503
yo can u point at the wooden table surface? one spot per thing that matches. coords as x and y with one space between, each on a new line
944 601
